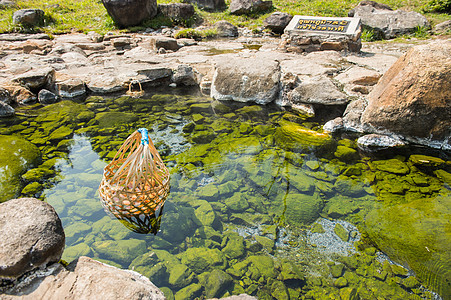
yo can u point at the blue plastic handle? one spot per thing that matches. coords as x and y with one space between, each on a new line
144 136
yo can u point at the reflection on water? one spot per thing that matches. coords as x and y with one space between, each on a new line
257 198
142 223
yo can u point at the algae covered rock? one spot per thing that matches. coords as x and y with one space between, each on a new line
203 259
190 292
294 137
302 209
114 118
74 252
120 251
180 276
234 247
16 156
216 283
417 235
177 225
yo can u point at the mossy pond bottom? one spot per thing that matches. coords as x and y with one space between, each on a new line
261 202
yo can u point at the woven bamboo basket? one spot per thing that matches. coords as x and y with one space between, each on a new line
144 223
136 182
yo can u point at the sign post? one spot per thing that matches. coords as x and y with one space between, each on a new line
308 33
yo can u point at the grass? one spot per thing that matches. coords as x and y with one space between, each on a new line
90 15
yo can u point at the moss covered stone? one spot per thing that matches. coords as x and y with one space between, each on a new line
167 293
208 191
216 283
261 266
294 137
74 252
16 156
279 291
203 259
237 202
74 231
340 282
32 189
234 247
393 165
426 161
206 215
302 209
341 232
336 270
346 154
239 269
37 174
60 133
443 175
180 275
114 118
290 272
349 187
349 293
121 251
317 228
190 292
416 234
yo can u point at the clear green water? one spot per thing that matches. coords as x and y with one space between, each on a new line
261 201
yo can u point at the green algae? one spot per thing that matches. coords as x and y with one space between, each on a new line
111 119
247 174
17 155
416 235
200 260
293 137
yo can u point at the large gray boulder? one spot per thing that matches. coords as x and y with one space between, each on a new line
244 7
210 5
32 236
85 278
130 12
385 22
29 17
245 79
277 21
226 29
413 97
177 11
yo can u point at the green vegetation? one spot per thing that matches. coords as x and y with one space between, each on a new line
195 34
90 15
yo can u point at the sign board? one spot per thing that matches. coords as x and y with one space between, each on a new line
326 25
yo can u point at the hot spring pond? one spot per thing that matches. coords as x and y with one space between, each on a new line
261 201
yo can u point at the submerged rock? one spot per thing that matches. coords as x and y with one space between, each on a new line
216 282
416 234
294 137
32 236
16 156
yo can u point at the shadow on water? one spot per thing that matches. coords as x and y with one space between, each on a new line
143 223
